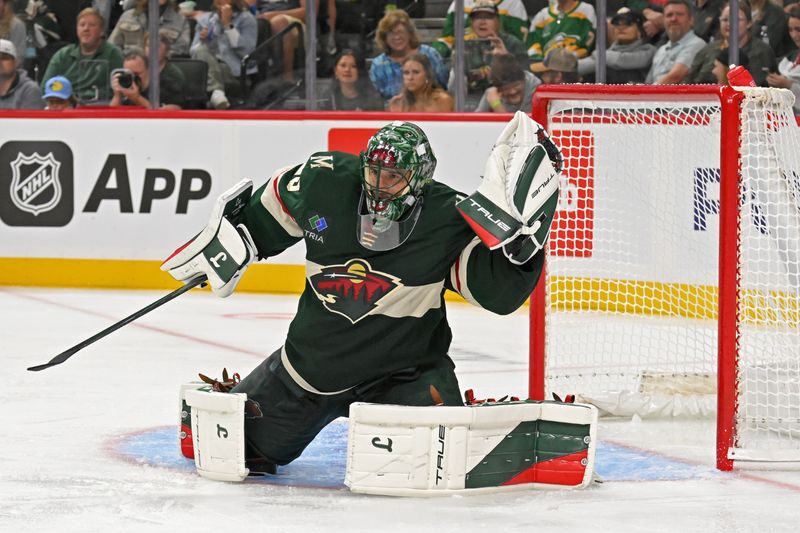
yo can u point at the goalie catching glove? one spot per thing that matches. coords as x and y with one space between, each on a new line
516 201
223 250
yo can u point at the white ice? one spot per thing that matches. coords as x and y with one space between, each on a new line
57 472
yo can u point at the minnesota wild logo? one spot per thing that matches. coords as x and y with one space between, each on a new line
352 290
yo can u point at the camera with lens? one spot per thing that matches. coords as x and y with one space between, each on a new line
125 77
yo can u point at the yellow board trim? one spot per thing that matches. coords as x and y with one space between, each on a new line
625 297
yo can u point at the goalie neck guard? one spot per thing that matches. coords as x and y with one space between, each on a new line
396 166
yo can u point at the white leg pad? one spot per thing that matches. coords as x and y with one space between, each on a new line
218 434
429 451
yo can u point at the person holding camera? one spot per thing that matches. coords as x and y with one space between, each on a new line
130 84
484 39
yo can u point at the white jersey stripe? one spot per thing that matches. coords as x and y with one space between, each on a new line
458 273
271 201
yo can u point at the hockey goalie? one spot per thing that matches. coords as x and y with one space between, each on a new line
370 339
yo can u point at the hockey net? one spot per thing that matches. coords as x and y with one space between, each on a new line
647 306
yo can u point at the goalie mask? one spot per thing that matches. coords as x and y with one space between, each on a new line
395 168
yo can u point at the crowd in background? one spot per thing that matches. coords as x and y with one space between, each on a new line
371 55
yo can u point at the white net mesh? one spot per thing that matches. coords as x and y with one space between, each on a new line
631 320
768 415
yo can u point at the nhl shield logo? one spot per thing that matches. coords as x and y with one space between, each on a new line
35 184
353 290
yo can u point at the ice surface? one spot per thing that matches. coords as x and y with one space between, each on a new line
84 446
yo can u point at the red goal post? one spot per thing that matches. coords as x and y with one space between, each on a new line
642 304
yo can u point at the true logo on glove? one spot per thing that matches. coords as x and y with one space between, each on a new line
376 441
490 217
222 432
222 256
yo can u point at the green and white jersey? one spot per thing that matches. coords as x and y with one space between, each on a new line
513 20
364 313
573 30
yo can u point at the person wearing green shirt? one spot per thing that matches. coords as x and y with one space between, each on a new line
566 24
512 15
88 63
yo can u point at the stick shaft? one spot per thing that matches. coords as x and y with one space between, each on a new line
63 356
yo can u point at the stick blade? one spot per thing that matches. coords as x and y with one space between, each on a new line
44 366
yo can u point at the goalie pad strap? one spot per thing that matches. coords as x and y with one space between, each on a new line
427 451
218 434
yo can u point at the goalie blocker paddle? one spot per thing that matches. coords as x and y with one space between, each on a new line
63 356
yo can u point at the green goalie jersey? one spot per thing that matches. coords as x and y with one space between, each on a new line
363 313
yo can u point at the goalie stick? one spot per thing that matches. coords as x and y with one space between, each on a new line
63 356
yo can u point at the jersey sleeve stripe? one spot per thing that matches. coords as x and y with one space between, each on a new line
271 200
458 272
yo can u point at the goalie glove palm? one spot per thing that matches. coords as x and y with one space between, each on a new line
515 203
222 251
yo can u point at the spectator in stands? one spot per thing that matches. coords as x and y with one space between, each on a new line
654 24
352 90
761 57
279 14
559 66
721 68
58 94
12 28
512 16
769 25
110 10
512 87
398 37
420 92
222 38
568 24
132 26
171 81
673 60
44 31
628 58
788 75
17 90
89 62
133 92
706 18
483 40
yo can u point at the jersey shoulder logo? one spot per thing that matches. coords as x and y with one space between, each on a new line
322 161
353 290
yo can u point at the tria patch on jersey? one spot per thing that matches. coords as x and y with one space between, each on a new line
354 289
317 224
